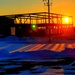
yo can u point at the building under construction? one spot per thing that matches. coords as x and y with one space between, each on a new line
36 25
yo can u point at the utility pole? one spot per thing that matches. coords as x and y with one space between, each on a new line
49 18
47 3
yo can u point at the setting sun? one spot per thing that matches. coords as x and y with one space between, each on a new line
66 19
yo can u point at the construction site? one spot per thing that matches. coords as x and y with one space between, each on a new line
40 24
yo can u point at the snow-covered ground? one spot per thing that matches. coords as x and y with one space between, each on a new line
29 48
16 53
11 67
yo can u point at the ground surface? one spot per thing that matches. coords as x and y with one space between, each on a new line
26 57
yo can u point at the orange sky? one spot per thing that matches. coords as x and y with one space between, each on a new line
65 7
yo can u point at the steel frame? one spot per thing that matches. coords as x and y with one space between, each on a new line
38 18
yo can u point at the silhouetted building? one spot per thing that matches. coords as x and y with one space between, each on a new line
5 25
21 25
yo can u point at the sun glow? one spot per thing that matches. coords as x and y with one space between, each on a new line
66 19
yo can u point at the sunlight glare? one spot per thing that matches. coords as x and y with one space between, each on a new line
66 19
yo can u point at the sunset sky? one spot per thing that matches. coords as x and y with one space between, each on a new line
66 7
